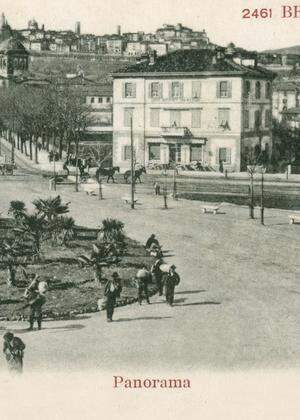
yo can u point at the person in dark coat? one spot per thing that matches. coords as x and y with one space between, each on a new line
157 275
143 278
13 349
172 280
35 295
156 188
152 242
112 290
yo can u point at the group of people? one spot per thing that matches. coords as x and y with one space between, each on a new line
164 276
13 347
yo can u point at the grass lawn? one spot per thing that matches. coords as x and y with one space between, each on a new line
72 288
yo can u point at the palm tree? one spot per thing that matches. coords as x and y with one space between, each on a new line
51 208
112 233
111 230
17 208
34 227
10 251
102 255
63 229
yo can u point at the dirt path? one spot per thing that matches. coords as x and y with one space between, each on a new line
237 304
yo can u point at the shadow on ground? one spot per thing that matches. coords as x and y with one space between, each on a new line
189 292
201 303
146 318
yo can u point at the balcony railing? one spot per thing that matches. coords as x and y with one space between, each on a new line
182 132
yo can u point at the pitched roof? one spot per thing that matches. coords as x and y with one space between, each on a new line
198 60
12 44
286 85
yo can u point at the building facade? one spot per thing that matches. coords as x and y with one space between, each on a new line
286 95
191 106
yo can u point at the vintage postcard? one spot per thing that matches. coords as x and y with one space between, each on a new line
149 209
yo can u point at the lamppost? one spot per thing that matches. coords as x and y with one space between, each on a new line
76 157
165 190
262 209
251 171
132 164
53 156
174 183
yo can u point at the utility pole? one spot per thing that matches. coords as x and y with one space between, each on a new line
13 144
54 168
132 164
165 189
76 155
174 185
100 189
262 209
251 171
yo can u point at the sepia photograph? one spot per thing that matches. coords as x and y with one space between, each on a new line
149 209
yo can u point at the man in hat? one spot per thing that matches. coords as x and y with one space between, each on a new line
171 281
13 349
157 275
152 242
112 290
36 299
143 277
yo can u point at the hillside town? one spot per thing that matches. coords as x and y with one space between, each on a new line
131 44
222 120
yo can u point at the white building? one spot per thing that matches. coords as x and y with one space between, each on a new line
194 105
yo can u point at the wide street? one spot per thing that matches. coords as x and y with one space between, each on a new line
236 307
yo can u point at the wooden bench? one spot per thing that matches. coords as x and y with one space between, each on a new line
294 218
210 209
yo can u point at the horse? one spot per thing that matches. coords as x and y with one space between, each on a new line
137 174
109 172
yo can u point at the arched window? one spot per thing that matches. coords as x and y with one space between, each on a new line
257 90
247 88
268 90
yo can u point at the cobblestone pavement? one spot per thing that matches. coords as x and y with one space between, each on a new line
237 305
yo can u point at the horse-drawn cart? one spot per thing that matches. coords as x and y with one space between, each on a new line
7 168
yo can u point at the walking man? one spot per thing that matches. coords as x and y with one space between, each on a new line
112 290
172 280
152 242
156 188
143 277
13 349
36 298
157 275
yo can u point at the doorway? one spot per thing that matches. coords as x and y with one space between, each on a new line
174 153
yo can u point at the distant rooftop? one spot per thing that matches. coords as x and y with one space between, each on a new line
201 60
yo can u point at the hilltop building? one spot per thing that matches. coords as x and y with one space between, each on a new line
14 59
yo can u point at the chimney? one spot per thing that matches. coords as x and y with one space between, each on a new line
119 30
152 57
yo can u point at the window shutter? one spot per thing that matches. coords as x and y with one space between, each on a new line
218 89
181 90
133 90
123 90
125 117
217 156
196 118
228 155
229 89
149 90
170 90
196 89
160 90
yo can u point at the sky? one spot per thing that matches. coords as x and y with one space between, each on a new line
222 19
